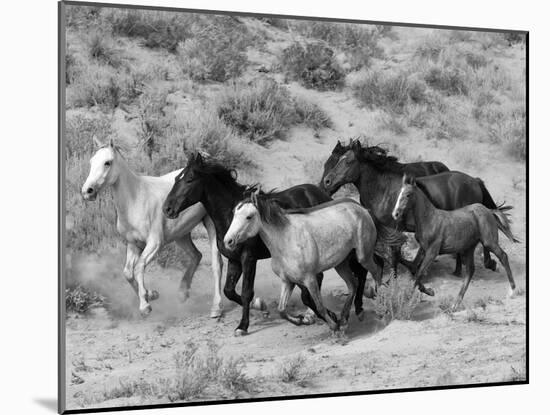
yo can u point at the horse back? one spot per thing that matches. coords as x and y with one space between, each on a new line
301 196
425 168
451 190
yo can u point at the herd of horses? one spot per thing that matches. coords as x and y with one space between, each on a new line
302 229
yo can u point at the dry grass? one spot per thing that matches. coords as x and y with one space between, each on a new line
397 300
294 370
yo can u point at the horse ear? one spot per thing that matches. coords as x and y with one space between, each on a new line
198 158
96 141
338 145
356 145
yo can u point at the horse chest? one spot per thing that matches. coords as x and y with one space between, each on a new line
130 232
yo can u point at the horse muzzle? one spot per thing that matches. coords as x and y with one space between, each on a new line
89 194
170 212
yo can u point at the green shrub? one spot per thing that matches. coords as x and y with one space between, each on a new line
313 65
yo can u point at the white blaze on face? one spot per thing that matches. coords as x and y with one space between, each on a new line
100 166
397 209
245 225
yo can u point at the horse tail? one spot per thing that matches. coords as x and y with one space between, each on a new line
503 221
488 201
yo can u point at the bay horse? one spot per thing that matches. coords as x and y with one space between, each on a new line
377 177
305 242
140 221
216 187
453 232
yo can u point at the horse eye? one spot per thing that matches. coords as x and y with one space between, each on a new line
107 163
248 217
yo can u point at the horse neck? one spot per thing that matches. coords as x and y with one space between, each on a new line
423 209
219 202
376 187
274 239
125 188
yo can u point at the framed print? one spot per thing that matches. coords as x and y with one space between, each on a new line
259 207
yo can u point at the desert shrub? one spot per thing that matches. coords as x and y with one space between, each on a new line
448 79
430 48
393 123
514 37
99 85
397 300
81 300
213 54
264 110
72 66
360 43
311 114
511 132
313 65
389 90
101 47
79 16
157 29
79 132
150 112
293 370
201 130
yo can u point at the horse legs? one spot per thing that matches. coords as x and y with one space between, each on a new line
286 291
503 258
191 259
249 274
470 268
458 268
361 274
344 271
217 267
427 258
309 317
234 270
132 256
144 295
488 261
327 315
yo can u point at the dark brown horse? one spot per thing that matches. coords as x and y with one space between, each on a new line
378 176
453 232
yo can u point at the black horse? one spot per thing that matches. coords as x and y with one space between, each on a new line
217 189
378 177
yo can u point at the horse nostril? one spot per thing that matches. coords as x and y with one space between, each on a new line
229 242
327 182
90 190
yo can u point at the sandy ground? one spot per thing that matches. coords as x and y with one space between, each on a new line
477 345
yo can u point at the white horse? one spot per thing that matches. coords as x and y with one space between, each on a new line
140 221
305 242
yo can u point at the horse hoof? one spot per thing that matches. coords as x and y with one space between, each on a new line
308 319
216 313
265 314
259 304
512 293
240 332
152 295
492 265
146 311
457 274
361 315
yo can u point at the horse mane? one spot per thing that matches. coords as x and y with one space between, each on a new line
270 210
376 156
226 176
